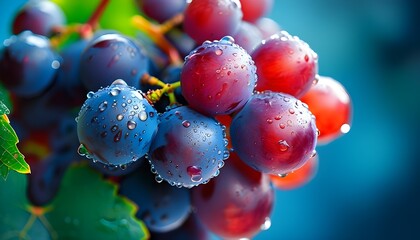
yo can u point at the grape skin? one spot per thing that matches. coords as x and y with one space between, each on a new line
211 19
274 133
188 149
218 77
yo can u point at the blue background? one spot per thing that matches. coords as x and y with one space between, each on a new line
367 184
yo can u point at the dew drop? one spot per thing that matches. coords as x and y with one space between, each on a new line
115 91
186 123
114 128
266 225
117 136
345 128
119 82
123 166
291 111
282 175
284 146
158 179
120 117
314 153
227 39
218 52
142 116
82 150
195 173
131 125
90 94
269 121
103 106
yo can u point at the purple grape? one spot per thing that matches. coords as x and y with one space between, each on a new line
218 77
248 36
274 133
116 125
39 17
162 10
188 149
28 65
110 57
212 19
162 207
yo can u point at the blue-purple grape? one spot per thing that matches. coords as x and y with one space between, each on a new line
162 207
116 125
188 149
28 64
110 57
162 10
39 17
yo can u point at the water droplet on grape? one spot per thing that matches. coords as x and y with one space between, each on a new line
345 128
228 39
117 136
186 123
291 111
284 146
55 64
158 178
115 91
90 94
282 175
143 116
266 225
218 52
103 106
195 173
82 150
120 117
114 128
269 121
123 166
314 153
131 125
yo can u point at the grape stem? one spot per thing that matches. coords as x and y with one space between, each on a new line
157 32
165 88
84 30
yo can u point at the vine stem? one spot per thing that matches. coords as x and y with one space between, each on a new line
165 88
156 34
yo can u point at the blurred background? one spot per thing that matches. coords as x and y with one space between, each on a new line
367 184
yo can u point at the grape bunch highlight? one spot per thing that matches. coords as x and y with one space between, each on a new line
199 114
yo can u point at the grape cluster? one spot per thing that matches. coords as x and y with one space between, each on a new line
197 118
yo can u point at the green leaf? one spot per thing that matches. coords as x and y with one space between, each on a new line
9 153
4 170
86 206
3 108
14 211
4 100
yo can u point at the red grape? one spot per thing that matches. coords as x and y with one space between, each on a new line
218 77
248 36
253 10
212 19
267 27
297 178
237 203
285 64
274 133
329 101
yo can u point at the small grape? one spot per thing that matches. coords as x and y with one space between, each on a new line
274 133
285 64
212 19
218 77
162 10
109 57
237 203
116 125
188 149
329 101
253 10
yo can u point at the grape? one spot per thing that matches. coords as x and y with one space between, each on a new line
117 57
329 101
28 65
69 71
298 177
218 77
248 36
253 10
164 208
191 229
188 149
212 19
181 41
285 64
39 17
237 203
274 133
116 125
162 10
267 27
